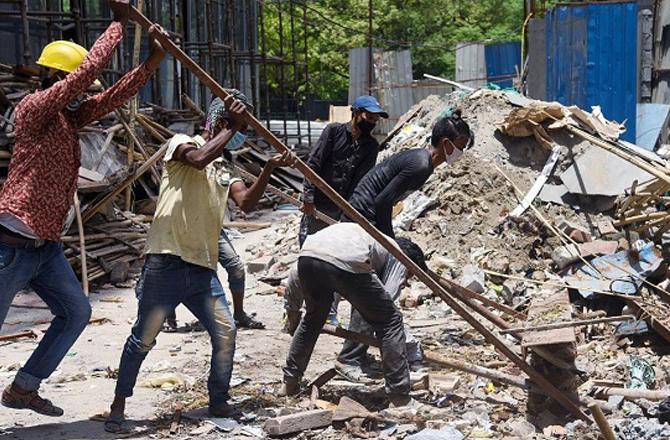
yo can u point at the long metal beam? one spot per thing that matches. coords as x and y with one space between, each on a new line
385 241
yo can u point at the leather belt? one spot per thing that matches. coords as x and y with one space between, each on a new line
19 241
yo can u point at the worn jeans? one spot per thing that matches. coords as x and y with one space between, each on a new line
232 263
367 295
48 273
166 282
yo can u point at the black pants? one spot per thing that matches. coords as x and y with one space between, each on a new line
367 295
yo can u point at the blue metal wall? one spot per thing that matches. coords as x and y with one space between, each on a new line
592 59
502 62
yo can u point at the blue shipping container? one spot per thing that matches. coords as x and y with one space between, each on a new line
502 62
592 59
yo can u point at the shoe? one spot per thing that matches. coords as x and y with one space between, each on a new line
352 373
15 398
223 410
289 387
291 321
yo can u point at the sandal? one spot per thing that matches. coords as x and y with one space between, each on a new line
246 321
116 425
11 398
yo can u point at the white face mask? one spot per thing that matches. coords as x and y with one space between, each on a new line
455 154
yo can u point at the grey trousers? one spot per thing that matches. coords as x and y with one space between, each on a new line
366 294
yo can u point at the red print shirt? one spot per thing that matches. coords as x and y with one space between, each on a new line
45 164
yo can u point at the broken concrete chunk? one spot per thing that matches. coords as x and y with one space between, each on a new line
348 409
298 422
447 433
598 247
577 233
443 383
565 255
260 264
473 278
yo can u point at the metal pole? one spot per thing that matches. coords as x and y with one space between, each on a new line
210 38
251 31
230 12
382 239
265 63
75 8
308 113
296 79
282 79
370 56
25 34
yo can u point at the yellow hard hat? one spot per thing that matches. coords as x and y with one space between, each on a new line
62 55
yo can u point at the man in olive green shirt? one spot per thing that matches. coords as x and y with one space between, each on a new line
182 251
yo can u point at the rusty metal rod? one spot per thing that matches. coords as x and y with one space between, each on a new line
292 200
385 241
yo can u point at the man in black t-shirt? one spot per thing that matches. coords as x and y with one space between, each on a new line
396 177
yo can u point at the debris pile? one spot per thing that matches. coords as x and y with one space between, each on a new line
585 294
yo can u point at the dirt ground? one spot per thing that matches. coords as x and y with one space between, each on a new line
85 390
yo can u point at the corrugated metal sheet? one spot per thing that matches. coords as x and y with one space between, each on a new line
661 93
424 88
395 81
503 63
358 71
592 59
471 64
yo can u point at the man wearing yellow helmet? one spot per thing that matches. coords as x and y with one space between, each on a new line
39 192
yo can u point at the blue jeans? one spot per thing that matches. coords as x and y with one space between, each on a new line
166 282
231 261
48 273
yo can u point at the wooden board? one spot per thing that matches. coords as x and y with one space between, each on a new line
548 310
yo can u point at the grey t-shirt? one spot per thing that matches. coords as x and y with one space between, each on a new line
348 247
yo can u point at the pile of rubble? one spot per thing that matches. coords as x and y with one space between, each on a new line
585 289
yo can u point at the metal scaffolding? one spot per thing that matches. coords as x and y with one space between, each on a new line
228 38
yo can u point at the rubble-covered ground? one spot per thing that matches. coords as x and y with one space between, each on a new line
466 227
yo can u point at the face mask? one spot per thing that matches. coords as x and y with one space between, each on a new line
236 141
365 126
75 103
454 156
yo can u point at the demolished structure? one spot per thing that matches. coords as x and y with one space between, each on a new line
567 273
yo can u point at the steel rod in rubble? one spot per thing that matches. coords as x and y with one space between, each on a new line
385 241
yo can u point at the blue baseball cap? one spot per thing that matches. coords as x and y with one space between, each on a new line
370 104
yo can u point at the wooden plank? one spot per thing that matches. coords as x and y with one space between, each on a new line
548 310
600 419
298 422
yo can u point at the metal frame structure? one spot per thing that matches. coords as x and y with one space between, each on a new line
223 35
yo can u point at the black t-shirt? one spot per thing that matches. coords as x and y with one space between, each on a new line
342 162
389 182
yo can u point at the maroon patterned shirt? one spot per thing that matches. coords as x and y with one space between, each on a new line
44 168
